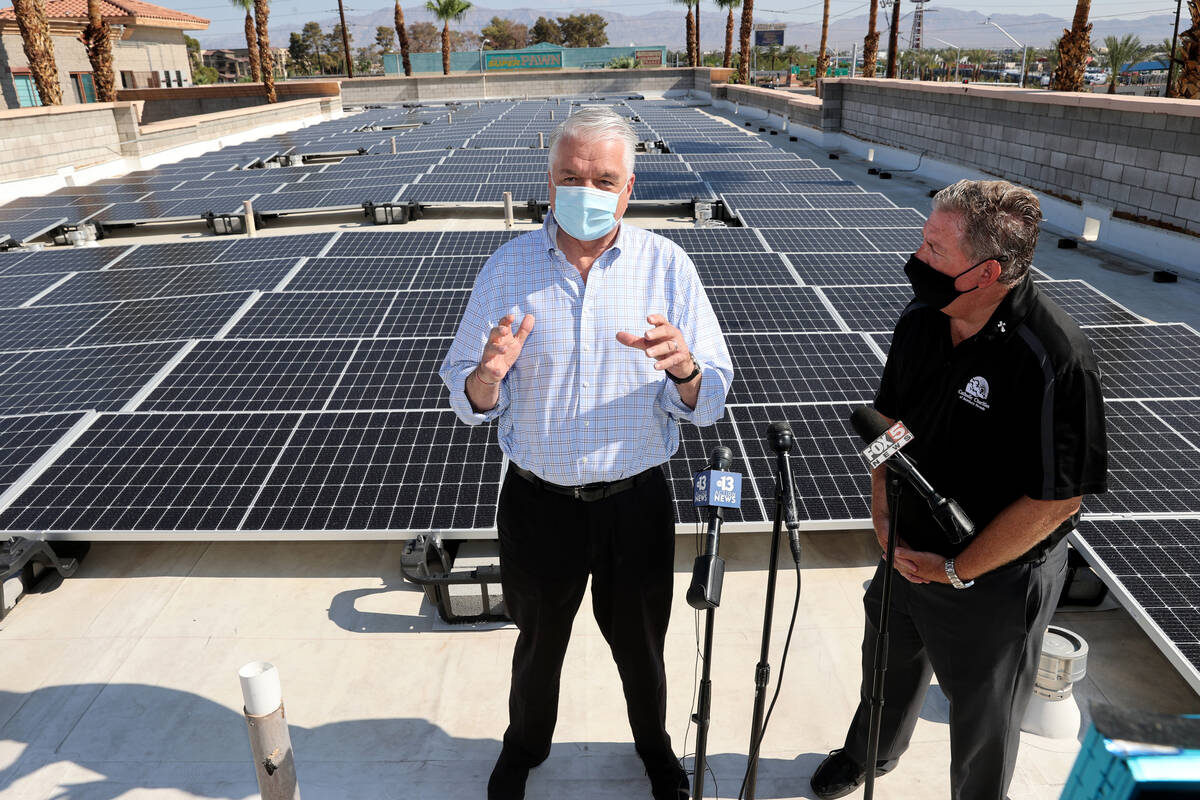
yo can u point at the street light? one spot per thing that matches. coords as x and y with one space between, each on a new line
1024 48
957 56
482 42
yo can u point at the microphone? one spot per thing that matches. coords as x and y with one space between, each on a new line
716 489
884 442
780 438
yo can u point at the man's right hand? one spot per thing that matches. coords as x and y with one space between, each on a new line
502 348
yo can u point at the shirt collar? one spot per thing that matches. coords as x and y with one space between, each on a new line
551 229
1013 309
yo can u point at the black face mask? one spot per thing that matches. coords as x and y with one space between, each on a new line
935 288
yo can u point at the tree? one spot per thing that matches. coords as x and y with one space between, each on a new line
744 41
1121 53
402 32
689 31
976 59
97 41
424 37
1074 46
772 54
251 38
336 47
545 30
731 5
262 11
203 75
385 38
299 51
823 56
446 10
1187 85
314 43
871 42
583 30
39 49
792 55
505 34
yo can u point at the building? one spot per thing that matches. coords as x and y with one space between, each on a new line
536 57
233 64
148 49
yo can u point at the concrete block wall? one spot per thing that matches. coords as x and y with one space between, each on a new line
37 141
1138 156
173 103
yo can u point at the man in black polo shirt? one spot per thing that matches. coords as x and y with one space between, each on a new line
1002 392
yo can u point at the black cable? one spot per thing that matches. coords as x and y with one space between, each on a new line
778 685
914 169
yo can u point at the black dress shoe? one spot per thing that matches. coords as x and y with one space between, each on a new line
507 781
671 785
839 775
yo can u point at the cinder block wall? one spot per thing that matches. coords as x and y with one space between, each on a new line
37 141
173 103
1139 156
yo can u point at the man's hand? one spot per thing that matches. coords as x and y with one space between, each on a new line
502 349
664 343
920 567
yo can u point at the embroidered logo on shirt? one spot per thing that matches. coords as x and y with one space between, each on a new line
976 393
1000 326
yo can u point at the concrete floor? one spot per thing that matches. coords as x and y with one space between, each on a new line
121 682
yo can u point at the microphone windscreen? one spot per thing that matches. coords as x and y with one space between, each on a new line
868 423
721 458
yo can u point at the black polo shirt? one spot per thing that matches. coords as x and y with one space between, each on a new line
1013 411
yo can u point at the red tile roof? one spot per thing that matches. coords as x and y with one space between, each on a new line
112 10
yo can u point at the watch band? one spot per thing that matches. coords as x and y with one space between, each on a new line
956 581
695 371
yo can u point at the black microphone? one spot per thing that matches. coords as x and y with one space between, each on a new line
779 436
711 486
885 439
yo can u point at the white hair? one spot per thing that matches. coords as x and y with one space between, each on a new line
597 123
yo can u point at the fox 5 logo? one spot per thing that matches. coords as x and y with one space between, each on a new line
897 432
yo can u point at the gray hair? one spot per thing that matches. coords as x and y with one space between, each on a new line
997 220
595 123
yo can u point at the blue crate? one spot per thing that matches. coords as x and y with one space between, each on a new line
1118 770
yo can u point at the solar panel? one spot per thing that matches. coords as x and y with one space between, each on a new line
695 448
440 192
847 269
17 290
24 230
473 243
869 308
25 439
253 375
1086 305
292 246
779 308
355 274
713 240
394 374
52 326
67 259
155 472
386 243
894 240
230 276
317 315
879 218
1151 469
789 218
816 241
671 190
742 269
112 286
80 379
1147 360
425 313
803 368
383 472
162 319
831 479
1153 567
448 272
843 197
1183 416
9 259
882 340
205 251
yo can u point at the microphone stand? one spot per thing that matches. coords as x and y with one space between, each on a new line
762 672
894 481
705 592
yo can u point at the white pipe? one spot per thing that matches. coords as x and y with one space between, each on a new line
249 211
508 210
261 691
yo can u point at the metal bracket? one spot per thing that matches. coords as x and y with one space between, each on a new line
19 559
427 562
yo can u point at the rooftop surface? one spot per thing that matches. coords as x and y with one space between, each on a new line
121 682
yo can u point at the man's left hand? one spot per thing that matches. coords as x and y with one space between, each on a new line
664 343
920 567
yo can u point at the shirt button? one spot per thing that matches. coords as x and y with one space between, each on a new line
585 384
586 423
587 347
584 459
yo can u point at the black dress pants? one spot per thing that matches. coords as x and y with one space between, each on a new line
983 643
549 545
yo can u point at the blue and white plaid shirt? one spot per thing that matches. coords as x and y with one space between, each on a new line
578 406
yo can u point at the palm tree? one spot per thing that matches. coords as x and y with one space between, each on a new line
96 41
744 41
39 49
262 11
871 42
1187 85
1074 47
823 56
1120 53
976 59
731 5
791 54
446 10
696 38
772 53
689 31
925 62
402 32
251 38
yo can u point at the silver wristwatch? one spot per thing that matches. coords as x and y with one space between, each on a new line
956 581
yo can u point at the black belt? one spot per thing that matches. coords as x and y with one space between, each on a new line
588 492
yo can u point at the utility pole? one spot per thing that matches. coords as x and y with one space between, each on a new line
1024 48
894 39
918 28
345 40
957 56
1171 56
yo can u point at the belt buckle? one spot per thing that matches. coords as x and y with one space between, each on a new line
578 492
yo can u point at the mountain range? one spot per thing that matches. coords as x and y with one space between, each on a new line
966 29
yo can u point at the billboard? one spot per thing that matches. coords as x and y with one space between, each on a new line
768 38
648 58
501 61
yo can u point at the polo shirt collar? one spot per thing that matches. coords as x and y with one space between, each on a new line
1013 309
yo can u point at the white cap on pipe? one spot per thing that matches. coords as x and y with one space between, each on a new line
261 691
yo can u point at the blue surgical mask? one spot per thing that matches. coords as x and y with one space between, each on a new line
585 214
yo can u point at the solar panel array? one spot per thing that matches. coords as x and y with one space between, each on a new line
285 386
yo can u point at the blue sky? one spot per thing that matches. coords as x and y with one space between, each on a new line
223 15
